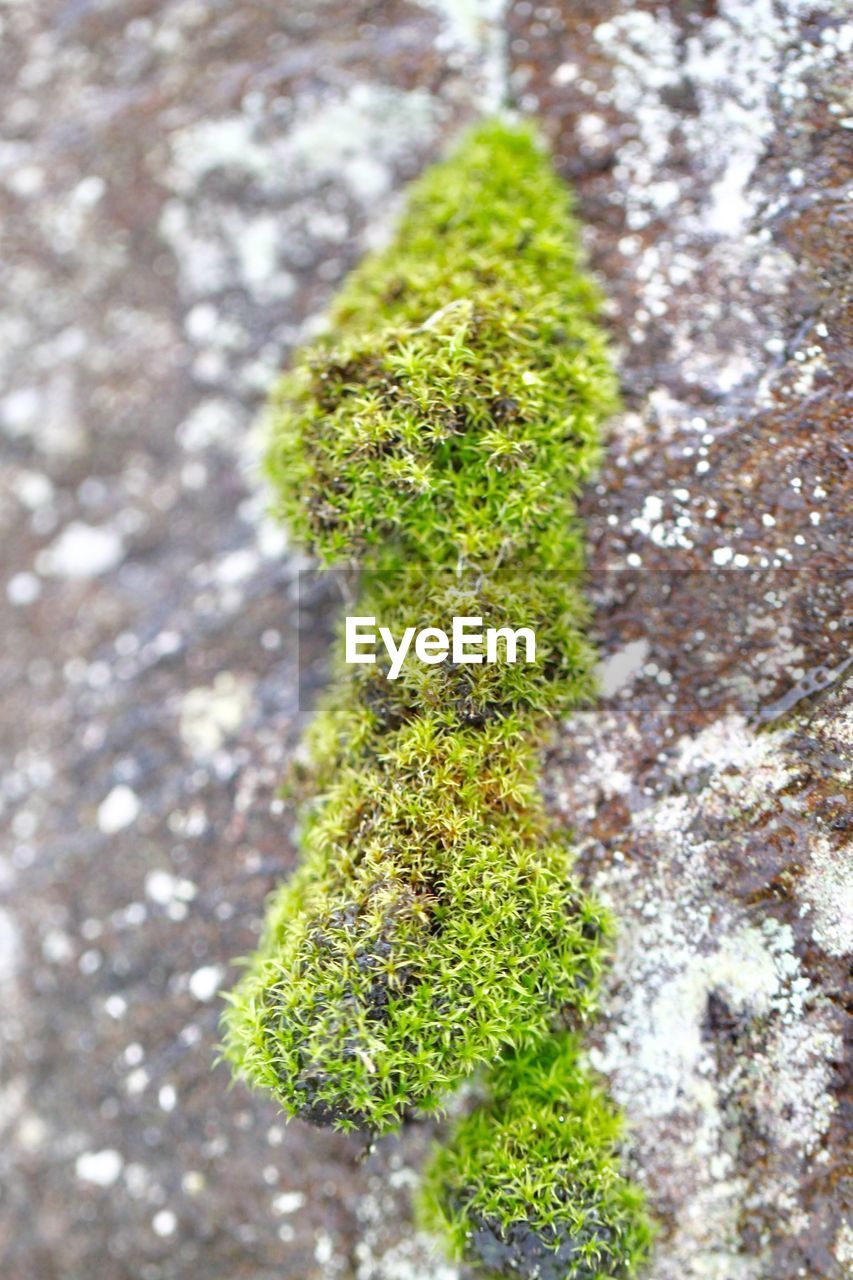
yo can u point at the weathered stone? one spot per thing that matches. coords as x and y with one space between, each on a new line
181 187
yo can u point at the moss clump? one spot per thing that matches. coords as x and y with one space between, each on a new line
436 437
529 1183
455 407
433 921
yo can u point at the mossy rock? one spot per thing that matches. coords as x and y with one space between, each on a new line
437 438
433 922
437 435
453 410
529 1184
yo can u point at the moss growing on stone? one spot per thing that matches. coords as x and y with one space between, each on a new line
433 921
436 438
529 1183
454 409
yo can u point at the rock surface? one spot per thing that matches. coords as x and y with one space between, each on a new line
182 185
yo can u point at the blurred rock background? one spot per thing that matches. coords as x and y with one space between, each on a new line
183 183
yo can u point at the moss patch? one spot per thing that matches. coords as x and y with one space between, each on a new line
436 438
434 920
455 407
530 1184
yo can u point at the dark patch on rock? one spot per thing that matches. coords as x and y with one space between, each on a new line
547 1253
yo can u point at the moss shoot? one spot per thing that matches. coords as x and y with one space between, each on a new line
530 1184
436 438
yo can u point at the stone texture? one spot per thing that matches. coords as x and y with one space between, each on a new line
182 184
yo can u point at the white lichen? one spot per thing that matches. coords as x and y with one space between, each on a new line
712 1028
210 713
827 891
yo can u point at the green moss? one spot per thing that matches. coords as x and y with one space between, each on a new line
434 920
530 1183
454 409
436 437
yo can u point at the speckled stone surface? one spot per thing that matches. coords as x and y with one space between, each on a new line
182 185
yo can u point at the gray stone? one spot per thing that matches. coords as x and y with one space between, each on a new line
182 186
